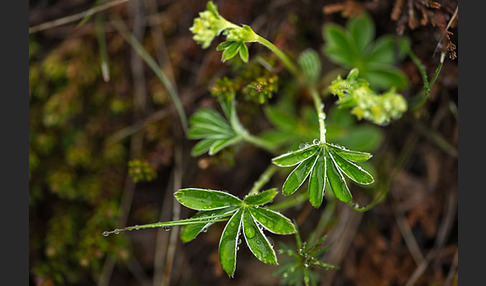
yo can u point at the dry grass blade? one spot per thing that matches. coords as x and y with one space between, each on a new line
120 27
75 17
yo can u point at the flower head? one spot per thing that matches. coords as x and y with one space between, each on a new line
356 94
208 25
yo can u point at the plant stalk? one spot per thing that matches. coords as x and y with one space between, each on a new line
320 113
283 57
264 178
212 219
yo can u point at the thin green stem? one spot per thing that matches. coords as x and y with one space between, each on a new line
427 85
295 71
290 202
321 115
212 219
264 178
259 142
283 57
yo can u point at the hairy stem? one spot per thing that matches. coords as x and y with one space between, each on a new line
320 113
212 219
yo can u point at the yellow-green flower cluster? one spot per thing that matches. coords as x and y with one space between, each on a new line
261 89
141 171
224 87
208 25
356 94
241 34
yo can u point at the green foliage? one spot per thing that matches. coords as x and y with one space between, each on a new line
292 128
302 262
355 93
323 163
210 24
216 131
310 66
254 83
261 89
247 216
354 47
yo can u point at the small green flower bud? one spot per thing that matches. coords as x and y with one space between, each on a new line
208 25
365 103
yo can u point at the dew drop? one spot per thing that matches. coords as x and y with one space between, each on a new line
105 233
316 142
302 146
239 241
117 231
167 228
306 265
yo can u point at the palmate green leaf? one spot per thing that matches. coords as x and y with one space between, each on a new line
347 154
257 241
297 177
228 244
336 180
203 199
202 147
217 133
260 198
338 47
353 171
317 181
208 131
189 232
385 77
206 116
295 157
272 220
383 51
361 32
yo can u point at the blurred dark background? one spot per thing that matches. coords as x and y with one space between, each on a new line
83 131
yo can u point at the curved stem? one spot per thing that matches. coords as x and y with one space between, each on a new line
290 202
295 71
283 57
264 178
259 142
